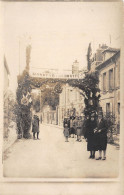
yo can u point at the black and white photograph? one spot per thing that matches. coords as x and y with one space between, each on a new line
61 90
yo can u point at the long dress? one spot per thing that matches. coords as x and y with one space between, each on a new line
72 127
66 131
89 134
101 137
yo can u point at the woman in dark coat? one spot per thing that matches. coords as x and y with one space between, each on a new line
101 137
35 126
90 125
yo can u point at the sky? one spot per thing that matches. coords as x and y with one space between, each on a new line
59 33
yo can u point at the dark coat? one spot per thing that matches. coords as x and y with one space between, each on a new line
66 121
35 124
72 126
66 131
89 134
101 137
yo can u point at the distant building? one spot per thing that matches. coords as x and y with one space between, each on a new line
75 67
97 58
109 76
71 102
48 115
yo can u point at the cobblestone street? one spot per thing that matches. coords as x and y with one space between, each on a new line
52 157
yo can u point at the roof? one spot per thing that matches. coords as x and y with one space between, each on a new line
108 61
110 49
6 66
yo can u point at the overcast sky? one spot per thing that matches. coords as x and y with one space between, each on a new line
58 32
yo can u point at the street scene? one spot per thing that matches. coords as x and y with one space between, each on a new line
61 91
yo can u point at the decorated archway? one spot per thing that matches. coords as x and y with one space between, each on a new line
88 86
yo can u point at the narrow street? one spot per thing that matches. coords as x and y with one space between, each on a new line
52 157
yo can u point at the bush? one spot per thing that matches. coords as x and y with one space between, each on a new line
110 125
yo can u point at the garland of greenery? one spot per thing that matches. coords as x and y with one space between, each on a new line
88 86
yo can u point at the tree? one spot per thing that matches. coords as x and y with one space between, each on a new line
89 53
50 95
90 91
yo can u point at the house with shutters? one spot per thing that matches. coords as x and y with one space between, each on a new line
109 82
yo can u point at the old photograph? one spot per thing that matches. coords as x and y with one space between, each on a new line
61 89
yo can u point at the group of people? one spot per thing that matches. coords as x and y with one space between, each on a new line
94 130
73 127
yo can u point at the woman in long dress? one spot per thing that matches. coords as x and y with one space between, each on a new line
90 125
101 137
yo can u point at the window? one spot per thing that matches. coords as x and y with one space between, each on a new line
111 79
104 81
108 108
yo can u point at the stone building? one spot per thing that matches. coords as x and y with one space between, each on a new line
97 58
70 102
109 76
75 67
49 116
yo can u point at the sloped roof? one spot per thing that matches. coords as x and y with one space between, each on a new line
110 49
108 61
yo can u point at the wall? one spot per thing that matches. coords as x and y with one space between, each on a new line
69 99
111 96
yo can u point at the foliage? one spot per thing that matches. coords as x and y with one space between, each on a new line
50 89
110 126
9 111
90 91
36 102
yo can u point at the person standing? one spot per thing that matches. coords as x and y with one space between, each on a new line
72 129
35 126
101 136
79 129
66 132
90 125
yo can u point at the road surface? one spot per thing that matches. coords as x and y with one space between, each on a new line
52 157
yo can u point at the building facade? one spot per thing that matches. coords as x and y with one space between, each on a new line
48 115
71 102
109 82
